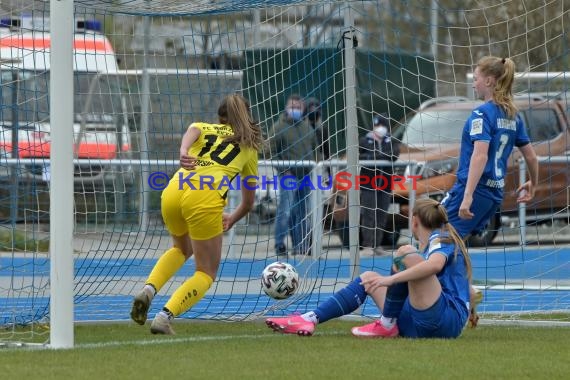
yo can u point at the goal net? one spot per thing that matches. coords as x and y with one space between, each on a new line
144 70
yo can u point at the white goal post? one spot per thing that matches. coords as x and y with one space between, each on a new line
62 219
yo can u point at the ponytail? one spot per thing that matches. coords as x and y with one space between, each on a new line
234 110
459 245
433 215
503 70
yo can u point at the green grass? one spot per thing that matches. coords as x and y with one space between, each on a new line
19 241
247 350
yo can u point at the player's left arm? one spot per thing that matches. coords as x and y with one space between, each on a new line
245 206
430 267
526 190
529 187
190 137
249 174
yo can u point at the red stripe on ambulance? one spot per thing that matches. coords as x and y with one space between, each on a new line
43 43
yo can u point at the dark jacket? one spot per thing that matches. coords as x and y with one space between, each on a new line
374 148
322 138
294 141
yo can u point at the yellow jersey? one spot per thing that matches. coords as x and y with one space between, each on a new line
218 162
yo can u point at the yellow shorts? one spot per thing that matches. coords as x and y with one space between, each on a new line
192 211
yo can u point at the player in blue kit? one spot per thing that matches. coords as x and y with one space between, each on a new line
488 138
427 294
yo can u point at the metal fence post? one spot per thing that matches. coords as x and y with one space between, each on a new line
317 210
412 200
522 205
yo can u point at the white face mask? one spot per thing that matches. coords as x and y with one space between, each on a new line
381 131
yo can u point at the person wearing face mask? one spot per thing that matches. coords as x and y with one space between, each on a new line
376 145
293 139
314 118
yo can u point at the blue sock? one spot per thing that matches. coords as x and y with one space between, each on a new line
342 302
395 297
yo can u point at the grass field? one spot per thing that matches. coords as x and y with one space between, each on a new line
249 350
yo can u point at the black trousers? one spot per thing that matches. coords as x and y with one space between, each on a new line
373 216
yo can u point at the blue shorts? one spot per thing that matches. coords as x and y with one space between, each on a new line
442 320
483 208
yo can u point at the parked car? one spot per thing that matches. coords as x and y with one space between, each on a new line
431 138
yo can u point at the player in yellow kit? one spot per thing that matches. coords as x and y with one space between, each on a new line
211 155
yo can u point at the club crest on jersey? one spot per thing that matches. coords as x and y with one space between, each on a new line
476 127
434 245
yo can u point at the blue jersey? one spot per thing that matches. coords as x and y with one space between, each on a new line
489 123
453 277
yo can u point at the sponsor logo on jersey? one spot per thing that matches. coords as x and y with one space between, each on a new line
434 245
476 127
496 184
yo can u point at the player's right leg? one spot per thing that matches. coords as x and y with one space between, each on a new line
292 324
164 269
204 224
171 260
390 301
375 330
207 258
343 302
168 264
161 324
141 304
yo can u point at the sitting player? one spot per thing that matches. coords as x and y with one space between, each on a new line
427 294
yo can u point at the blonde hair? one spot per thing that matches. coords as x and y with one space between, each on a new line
503 70
433 215
234 110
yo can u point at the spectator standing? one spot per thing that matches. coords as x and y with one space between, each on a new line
375 198
293 140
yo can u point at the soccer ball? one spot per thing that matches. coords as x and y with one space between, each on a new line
279 280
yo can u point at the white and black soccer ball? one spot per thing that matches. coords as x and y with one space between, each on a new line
279 280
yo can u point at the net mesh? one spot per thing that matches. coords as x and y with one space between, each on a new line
144 70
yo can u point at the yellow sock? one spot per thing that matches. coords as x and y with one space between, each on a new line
168 264
189 293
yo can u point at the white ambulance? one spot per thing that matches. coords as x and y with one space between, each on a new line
100 125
